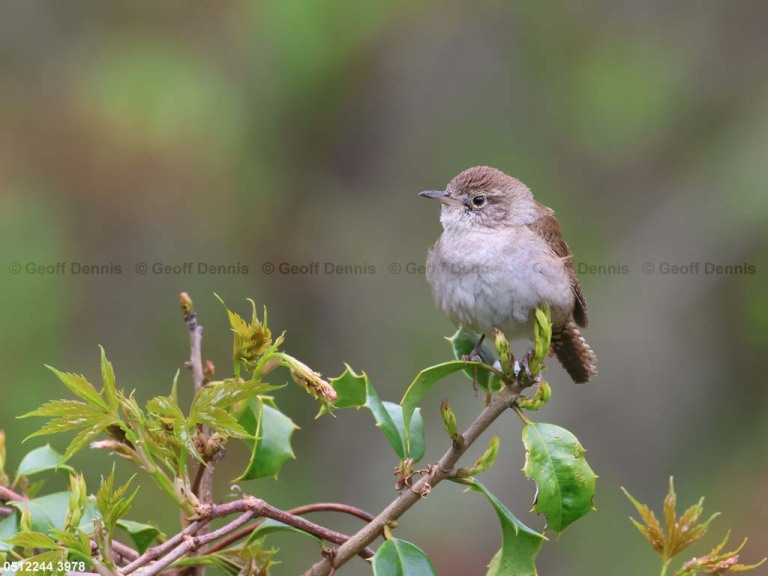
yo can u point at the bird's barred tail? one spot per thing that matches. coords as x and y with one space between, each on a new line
574 353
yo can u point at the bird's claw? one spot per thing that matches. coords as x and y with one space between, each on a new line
524 374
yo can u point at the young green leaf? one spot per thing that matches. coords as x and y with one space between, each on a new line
485 462
718 562
33 540
400 558
80 387
108 380
272 431
41 460
565 482
52 558
250 340
114 502
519 544
92 415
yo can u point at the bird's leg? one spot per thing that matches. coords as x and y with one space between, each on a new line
525 368
474 356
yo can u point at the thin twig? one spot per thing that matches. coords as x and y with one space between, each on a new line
157 551
188 540
5 511
332 507
202 486
191 543
126 552
408 498
298 511
8 495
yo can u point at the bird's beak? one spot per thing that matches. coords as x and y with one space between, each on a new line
441 195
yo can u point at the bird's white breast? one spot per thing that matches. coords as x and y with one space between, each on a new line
483 278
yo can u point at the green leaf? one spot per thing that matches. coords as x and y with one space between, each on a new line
462 343
519 544
49 512
565 482
400 558
272 430
80 387
51 557
142 535
424 381
356 391
40 460
418 442
108 380
9 526
114 503
33 540
351 389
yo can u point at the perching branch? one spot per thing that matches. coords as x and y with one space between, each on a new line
440 471
202 485
248 508
298 511
195 362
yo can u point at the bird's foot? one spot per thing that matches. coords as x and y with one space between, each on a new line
474 356
523 373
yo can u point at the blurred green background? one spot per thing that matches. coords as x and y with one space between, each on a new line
299 131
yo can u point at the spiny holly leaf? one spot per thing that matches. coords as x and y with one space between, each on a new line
519 544
424 381
142 535
400 558
355 391
272 431
41 460
462 343
565 484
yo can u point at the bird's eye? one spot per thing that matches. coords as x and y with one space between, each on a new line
479 201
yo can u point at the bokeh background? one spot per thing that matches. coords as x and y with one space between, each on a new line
298 131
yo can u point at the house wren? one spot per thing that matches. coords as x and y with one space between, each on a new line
500 255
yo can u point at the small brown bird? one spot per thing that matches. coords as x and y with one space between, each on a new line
500 255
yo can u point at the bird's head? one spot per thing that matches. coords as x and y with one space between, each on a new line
484 196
